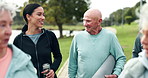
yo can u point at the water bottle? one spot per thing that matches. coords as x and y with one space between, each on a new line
46 66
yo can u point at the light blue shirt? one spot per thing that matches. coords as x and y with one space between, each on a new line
88 52
35 37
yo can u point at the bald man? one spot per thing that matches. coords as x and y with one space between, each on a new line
90 48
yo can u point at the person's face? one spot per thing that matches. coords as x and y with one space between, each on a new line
5 28
144 39
91 24
37 18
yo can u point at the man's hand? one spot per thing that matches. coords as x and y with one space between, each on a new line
111 76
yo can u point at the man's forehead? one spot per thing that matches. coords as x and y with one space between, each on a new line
86 18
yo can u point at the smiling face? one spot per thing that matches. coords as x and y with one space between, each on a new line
5 28
36 18
92 21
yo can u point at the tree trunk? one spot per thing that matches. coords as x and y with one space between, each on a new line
60 30
59 26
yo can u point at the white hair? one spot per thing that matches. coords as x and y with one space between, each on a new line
8 7
143 21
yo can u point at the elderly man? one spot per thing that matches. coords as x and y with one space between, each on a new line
90 48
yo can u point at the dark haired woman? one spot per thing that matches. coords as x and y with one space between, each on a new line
38 42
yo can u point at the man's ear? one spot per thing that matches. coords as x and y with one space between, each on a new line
100 20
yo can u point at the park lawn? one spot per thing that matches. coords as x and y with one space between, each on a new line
126 35
64 47
52 27
66 27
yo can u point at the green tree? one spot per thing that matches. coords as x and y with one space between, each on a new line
18 20
59 12
116 17
129 15
128 19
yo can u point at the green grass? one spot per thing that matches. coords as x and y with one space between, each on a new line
126 35
65 46
65 27
51 27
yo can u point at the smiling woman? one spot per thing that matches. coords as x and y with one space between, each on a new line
39 42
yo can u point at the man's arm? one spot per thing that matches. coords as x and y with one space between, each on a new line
72 67
117 51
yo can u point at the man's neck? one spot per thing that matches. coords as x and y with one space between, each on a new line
97 31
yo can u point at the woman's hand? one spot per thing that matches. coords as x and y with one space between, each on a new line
50 74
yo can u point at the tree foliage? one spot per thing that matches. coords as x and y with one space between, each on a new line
18 20
125 15
59 12
128 19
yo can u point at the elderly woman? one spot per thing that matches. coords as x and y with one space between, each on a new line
138 67
13 62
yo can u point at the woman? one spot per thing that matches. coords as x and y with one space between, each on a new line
138 67
13 62
38 42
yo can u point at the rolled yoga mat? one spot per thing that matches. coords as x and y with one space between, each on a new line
106 68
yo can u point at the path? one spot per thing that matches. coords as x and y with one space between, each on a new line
112 29
63 72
